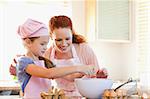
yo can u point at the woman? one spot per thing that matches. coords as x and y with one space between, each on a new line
69 48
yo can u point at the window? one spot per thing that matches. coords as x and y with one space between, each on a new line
15 13
104 24
113 20
143 29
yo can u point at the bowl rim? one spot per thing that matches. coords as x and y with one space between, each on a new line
93 79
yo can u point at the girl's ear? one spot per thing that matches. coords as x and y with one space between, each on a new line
28 42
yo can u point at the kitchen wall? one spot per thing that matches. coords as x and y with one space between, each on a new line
118 58
78 16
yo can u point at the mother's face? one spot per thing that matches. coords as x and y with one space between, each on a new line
62 38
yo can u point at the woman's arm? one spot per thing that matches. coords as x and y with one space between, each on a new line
88 57
86 54
12 68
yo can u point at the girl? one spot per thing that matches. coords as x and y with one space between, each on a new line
32 73
68 49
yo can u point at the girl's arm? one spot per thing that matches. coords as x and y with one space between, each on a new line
71 77
57 72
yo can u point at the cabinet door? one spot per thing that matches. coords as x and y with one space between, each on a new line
113 20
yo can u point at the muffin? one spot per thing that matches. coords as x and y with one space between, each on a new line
53 93
121 94
111 94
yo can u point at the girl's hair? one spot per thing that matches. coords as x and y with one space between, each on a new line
47 62
65 22
31 38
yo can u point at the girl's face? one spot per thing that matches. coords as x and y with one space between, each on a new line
62 38
39 45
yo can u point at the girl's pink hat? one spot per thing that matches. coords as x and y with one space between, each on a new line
32 28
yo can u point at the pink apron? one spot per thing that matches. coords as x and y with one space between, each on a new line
68 86
36 85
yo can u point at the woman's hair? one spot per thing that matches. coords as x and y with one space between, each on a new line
47 62
65 22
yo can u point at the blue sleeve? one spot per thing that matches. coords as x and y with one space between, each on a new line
23 76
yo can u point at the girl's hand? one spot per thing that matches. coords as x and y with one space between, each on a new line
72 77
88 70
102 73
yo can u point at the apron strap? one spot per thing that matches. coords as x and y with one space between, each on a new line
74 52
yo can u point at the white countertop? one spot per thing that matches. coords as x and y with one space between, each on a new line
10 97
9 85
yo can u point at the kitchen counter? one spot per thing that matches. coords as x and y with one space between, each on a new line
18 97
12 85
9 85
69 97
10 97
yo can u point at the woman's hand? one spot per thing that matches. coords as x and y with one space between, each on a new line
98 74
102 73
12 70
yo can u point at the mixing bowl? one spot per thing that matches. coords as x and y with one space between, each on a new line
93 88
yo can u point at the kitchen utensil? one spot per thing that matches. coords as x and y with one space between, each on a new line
129 80
130 86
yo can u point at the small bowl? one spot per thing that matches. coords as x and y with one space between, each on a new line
130 87
93 87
